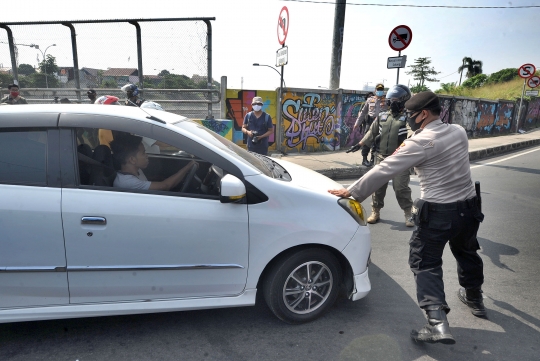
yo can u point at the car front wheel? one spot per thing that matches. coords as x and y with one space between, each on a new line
303 286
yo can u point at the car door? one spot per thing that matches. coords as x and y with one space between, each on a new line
124 245
32 254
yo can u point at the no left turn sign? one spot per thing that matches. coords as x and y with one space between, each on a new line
400 37
533 82
283 25
526 71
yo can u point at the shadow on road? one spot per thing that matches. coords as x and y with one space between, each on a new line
495 250
374 328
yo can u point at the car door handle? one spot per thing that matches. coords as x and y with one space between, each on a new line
93 220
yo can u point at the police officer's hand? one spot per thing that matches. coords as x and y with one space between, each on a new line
342 193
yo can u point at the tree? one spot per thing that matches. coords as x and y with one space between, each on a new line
26 69
37 80
474 67
164 72
48 65
5 80
422 71
475 81
419 88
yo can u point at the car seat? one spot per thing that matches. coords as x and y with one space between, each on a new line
102 175
85 169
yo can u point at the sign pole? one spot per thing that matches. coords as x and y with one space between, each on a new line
280 129
397 81
520 105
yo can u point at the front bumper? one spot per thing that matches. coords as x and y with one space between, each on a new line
362 286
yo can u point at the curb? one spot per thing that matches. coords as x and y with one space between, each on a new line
357 172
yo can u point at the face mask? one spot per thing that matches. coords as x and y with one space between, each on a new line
14 94
257 107
413 124
379 93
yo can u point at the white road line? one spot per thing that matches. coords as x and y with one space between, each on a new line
502 160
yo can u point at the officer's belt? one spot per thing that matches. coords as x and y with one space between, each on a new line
468 203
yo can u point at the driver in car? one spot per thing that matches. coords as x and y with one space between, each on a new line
129 152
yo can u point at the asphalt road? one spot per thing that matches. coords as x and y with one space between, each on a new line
374 328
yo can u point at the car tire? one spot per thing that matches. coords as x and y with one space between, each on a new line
296 298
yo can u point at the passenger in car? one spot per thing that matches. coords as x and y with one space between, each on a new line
129 152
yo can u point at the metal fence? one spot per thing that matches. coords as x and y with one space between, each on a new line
170 59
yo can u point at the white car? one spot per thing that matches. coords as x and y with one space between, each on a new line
73 245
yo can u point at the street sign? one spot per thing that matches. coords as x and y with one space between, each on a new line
533 82
526 71
532 93
283 25
282 56
396 62
400 37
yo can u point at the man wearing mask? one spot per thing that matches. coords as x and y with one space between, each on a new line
393 130
258 127
448 210
14 97
371 109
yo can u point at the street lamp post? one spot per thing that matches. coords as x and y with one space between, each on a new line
277 71
44 60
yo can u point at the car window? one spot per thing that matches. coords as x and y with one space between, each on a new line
101 163
23 157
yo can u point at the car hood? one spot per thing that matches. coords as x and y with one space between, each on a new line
307 178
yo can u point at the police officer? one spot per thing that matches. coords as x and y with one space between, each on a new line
392 127
371 109
448 211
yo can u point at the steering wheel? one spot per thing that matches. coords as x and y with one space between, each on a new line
189 177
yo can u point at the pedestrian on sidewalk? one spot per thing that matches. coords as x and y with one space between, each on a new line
258 127
448 210
391 128
371 109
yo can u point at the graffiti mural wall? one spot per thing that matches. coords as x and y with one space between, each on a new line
503 118
532 119
485 118
351 104
446 105
238 104
310 121
223 127
464 114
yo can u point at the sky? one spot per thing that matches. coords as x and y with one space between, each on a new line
245 32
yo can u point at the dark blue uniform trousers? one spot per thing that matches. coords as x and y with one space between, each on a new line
456 223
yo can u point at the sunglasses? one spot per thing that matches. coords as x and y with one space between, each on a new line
257 104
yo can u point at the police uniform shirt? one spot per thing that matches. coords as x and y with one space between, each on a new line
440 155
372 107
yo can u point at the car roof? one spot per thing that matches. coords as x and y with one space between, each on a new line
93 109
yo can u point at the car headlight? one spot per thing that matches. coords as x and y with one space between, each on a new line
355 209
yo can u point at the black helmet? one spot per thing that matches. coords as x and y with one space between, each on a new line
398 95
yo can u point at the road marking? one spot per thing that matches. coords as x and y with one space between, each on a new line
502 160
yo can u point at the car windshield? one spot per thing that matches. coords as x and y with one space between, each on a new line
228 146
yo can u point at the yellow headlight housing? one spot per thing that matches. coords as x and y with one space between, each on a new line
354 208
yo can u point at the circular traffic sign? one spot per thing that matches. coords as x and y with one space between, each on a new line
533 82
400 37
526 71
283 25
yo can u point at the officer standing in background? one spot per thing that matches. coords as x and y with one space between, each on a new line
449 209
371 109
92 95
132 92
393 130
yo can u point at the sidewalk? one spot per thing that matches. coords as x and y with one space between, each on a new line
340 165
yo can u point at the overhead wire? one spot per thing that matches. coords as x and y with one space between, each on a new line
419 6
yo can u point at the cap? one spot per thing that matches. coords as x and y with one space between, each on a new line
257 100
379 87
423 100
91 91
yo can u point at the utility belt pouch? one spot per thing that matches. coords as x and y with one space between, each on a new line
420 211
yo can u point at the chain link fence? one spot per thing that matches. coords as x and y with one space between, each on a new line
169 60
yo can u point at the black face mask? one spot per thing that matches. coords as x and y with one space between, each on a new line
412 122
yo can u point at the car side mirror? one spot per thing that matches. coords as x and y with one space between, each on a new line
232 190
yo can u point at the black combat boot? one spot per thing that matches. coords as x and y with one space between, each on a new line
365 162
372 161
437 328
473 299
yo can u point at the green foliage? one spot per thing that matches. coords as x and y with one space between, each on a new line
5 80
48 65
109 83
422 71
446 88
39 80
164 72
502 76
26 69
419 88
475 82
